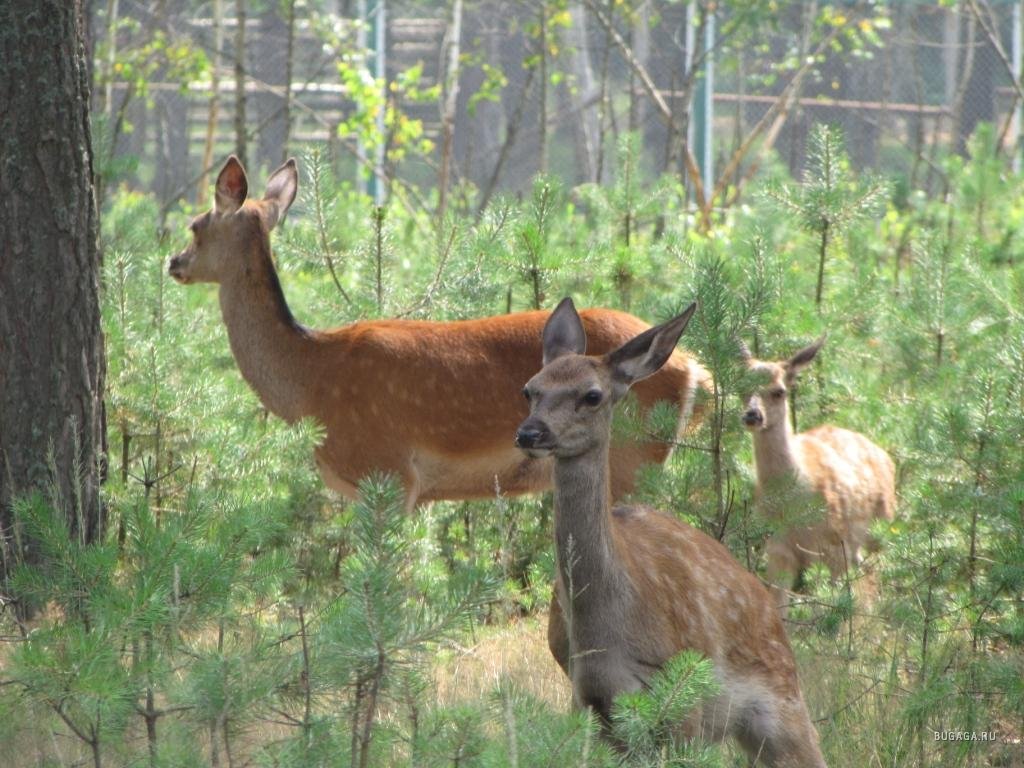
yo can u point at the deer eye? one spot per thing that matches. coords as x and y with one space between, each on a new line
592 398
778 394
526 394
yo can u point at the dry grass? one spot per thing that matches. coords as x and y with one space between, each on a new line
517 651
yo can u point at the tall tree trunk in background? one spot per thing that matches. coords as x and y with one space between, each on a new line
512 129
640 42
950 53
977 104
965 73
107 141
586 128
267 68
449 96
480 133
51 343
108 66
203 187
543 87
171 112
241 143
289 74
605 110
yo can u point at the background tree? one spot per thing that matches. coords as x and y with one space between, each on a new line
51 345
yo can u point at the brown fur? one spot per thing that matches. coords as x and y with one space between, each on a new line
435 403
635 586
824 487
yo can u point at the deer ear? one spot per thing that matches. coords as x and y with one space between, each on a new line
803 358
281 188
232 187
643 355
745 354
563 332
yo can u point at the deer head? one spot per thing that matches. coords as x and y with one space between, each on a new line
226 237
767 406
572 397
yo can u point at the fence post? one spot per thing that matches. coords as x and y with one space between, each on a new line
372 39
704 105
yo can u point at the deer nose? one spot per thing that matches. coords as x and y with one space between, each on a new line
752 416
176 268
529 435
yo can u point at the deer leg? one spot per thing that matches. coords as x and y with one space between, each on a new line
558 638
412 485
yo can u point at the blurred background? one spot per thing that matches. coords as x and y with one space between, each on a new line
480 96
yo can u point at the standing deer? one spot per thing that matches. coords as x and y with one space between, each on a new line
838 481
433 403
635 586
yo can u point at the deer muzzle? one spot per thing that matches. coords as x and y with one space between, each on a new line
534 438
177 266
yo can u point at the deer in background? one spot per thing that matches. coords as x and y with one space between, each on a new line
635 586
434 403
823 487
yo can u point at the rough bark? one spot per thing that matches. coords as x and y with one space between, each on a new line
51 342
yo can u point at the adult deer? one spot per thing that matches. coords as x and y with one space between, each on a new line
823 487
433 403
636 586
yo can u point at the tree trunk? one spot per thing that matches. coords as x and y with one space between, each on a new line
586 129
479 135
289 74
241 137
51 343
203 186
543 87
640 42
449 100
269 68
977 104
170 108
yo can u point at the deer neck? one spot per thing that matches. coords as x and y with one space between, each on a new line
270 347
588 562
774 452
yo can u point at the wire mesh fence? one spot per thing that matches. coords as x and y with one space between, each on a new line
715 91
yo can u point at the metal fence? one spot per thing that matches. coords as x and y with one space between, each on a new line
703 88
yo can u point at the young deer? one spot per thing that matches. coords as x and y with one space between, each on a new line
634 586
838 481
433 403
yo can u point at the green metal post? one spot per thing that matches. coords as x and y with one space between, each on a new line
372 14
704 107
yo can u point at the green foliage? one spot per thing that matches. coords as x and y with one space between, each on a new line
532 259
647 723
830 199
238 608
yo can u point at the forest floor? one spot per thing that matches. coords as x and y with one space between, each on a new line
517 651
